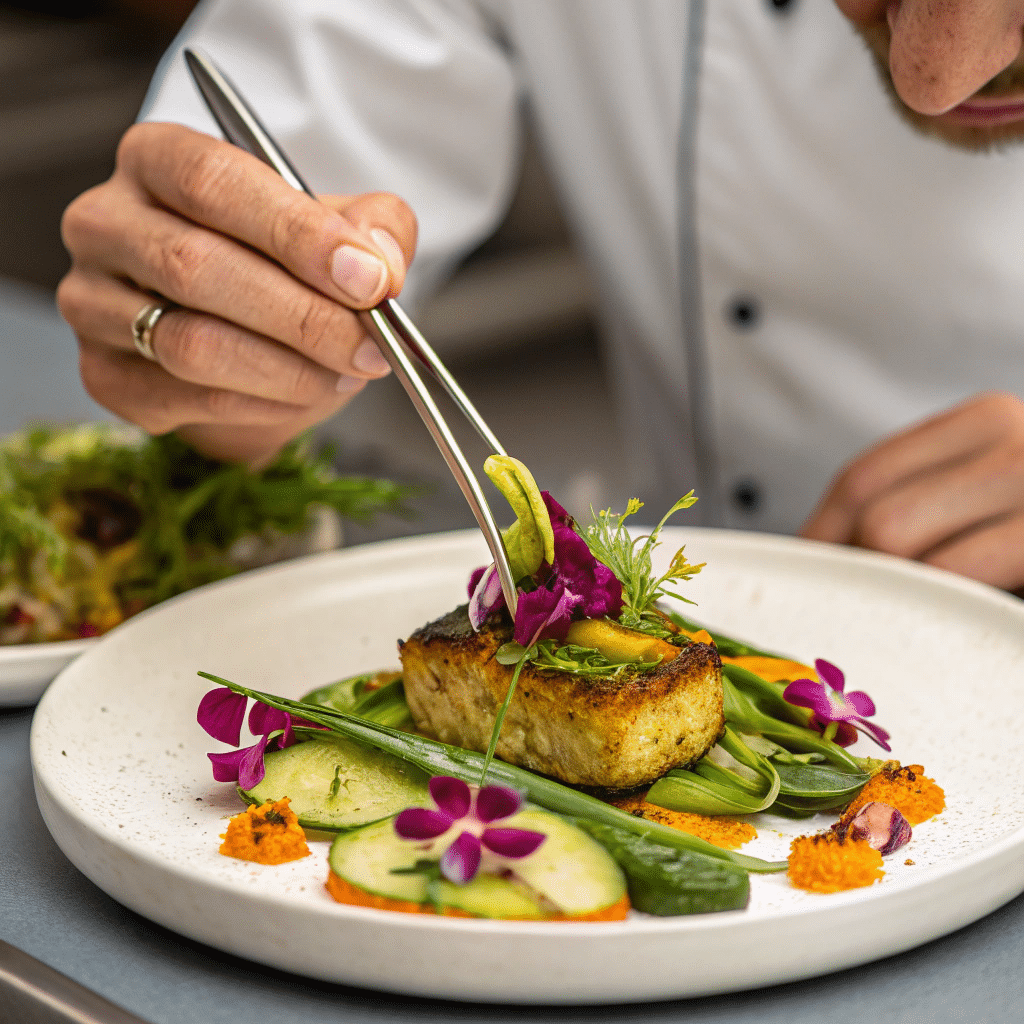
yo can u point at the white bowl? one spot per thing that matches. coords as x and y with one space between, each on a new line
27 669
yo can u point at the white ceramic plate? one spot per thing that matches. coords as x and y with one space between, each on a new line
124 785
27 669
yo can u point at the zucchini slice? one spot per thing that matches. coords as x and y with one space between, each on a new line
335 784
568 874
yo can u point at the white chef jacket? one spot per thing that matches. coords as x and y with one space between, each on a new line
765 233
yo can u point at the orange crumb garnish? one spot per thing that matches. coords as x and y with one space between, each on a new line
728 833
773 670
907 789
829 863
268 834
345 892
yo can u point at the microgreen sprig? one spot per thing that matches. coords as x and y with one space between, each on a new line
630 558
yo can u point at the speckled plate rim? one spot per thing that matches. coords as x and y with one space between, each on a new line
605 963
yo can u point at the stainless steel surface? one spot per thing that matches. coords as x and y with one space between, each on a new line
33 993
388 323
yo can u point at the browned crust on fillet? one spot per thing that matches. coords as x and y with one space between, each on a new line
613 733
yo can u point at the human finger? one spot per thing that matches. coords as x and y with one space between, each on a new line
937 444
929 509
216 184
143 393
203 270
197 347
993 553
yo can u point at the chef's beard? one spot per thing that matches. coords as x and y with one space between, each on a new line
1009 82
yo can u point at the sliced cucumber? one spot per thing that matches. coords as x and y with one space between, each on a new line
569 871
336 784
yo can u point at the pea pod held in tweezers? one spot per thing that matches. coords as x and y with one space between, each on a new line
442 759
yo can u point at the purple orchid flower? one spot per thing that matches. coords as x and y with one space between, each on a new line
846 712
475 810
221 713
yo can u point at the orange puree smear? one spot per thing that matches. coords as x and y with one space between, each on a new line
828 863
907 789
268 834
774 670
346 892
728 833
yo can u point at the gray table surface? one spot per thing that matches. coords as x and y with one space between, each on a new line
53 912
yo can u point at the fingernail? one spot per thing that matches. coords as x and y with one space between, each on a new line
387 245
360 275
347 384
368 359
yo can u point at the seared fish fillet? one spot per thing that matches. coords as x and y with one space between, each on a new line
613 733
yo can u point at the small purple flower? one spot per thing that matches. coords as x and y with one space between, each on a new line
833 709
221 713
473 810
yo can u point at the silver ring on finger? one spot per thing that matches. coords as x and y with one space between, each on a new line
142 326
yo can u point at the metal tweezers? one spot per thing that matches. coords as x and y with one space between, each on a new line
388 324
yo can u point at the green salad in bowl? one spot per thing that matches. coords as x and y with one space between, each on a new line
98 522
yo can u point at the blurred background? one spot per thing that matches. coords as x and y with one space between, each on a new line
515 323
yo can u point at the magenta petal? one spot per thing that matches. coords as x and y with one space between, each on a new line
807 694
605 596
494 802
251 769
459 863
860 702
225 766
451 795
556 513
220 713
485 597
829 673
845 735
511 842
421 823
544 613
264 719
576 567
876 732
474 579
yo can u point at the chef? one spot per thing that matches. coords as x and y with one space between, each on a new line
804 220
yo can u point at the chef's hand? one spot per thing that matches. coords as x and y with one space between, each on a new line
266 342
948 492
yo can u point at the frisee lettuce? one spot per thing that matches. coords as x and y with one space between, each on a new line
190 509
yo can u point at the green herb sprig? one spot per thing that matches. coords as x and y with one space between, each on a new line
630 559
